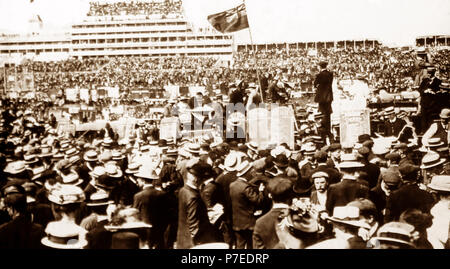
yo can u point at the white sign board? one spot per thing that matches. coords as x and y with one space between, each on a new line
282 126
353 123
259 126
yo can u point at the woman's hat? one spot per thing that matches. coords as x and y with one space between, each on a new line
64 235
396 232
63 194
440 183
431 159
91 156
349 215
126 219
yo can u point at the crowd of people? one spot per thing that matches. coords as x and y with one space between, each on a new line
383 69
135 8
219 190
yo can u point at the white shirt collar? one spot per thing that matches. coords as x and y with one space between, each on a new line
192 186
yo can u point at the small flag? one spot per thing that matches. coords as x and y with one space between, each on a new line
231 20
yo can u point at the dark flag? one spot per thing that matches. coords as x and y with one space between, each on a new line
231 20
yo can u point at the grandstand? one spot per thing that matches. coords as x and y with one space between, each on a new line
144 28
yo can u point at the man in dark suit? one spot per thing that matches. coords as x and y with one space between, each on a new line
393 126
371 170
408 196
245 197
324 94
20 232
379 194
152 207
348 189
194 227
264 234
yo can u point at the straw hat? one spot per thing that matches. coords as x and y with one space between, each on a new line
349 215
440 183
91 156
66 194
243 168
64 235
431 159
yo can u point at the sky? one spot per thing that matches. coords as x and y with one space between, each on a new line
390 21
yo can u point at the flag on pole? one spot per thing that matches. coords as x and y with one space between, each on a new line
231 20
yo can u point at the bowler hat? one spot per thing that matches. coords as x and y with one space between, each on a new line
281 161
302 186
391 178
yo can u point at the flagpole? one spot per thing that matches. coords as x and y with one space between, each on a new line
254 55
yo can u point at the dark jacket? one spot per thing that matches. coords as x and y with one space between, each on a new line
373 173
264 234
378 197
245 197
393 129
344 192
224 180
409 196
21 233
323 82
194 227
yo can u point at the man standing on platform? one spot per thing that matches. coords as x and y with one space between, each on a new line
324 95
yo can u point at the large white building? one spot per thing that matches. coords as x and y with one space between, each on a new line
97 36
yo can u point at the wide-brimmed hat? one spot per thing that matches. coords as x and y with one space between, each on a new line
63 194
15 168
349 215
71 179
434 142
91 156
99 198
193 148
445 113
308 148
243 168
71 152
97 172
440 183
147 172
133 168
349 161
117 155
389 111
113 171
396 232
253 146
46 151
107 142
127 219
64 235
30 159
431 159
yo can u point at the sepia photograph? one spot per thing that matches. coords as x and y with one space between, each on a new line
224 125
